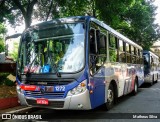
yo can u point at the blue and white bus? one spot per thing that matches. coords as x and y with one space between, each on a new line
151 64
76 63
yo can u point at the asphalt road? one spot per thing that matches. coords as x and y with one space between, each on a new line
146 104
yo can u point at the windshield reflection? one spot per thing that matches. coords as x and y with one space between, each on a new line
57 49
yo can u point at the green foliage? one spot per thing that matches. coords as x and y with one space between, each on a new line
5 81
1 45
112 55
74 8
14 53
133 18
16 10
142 29
2 31
8 82
3 77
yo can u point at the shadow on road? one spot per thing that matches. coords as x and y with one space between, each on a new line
97 113
147 85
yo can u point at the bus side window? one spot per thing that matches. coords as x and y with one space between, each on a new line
101 42
92 41
112 48
152 61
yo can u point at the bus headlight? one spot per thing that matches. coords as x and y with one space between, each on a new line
79 89
18 89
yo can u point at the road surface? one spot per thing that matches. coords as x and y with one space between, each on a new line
146 104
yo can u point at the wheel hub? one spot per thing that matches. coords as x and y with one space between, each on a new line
110 96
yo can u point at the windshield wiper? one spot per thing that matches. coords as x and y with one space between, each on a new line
29 68
56 70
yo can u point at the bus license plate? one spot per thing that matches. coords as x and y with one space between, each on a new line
42 101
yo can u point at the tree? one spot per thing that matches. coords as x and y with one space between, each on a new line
2 32
75 8
14 53
1 45
133 18
142 29
16 9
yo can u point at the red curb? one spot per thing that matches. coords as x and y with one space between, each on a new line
8 102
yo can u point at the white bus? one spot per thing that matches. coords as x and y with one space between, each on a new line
151 63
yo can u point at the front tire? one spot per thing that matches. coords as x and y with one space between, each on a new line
110 97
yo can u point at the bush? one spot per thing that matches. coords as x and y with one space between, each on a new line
9 82
4 80
1 45
3 77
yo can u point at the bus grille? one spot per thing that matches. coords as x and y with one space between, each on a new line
38 94
48 83
55 104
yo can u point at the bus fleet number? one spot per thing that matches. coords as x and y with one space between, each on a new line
60 88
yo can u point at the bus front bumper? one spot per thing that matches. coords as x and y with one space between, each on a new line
74 102
148 79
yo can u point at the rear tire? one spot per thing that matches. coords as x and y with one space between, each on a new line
157 79
110 97
135 90
152 82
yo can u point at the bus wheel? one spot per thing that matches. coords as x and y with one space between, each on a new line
152 82
134 92
110 97
156 79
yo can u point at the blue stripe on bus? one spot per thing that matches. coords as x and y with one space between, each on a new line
98 87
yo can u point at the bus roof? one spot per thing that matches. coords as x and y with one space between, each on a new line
146 51
85 18
59 21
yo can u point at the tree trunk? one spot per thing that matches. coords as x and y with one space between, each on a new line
26 11
27 21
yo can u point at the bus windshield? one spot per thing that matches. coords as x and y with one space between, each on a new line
59 48
146 60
